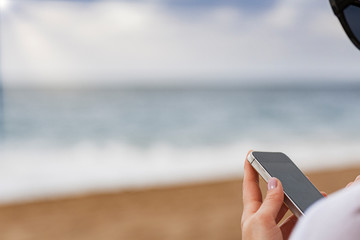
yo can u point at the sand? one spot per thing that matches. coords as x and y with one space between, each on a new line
199 211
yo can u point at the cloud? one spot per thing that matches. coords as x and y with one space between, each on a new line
146 41
254 6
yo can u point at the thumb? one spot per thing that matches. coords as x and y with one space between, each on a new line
274 198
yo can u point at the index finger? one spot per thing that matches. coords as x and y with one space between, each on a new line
252 197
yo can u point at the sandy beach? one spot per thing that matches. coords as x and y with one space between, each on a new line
200 211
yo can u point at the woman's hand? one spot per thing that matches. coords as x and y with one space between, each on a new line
260 219
357 180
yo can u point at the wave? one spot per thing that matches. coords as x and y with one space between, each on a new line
34 171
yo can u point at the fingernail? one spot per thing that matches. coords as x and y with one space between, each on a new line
357 178
272 184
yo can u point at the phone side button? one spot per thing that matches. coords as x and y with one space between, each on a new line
263 173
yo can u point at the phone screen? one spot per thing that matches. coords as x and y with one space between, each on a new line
296 185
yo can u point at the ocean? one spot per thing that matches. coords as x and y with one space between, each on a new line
58 142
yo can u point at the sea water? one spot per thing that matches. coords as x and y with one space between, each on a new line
71 141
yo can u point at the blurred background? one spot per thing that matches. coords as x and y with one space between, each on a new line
132 119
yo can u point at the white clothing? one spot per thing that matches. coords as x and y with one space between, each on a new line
332 218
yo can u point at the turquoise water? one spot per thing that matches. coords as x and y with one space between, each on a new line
184 118
59 142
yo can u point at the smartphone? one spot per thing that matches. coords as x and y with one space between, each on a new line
299 192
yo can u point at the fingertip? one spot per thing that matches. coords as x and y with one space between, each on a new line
247 155
246 162
272 184
357 179
249 152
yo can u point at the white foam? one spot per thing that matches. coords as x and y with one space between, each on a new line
35 171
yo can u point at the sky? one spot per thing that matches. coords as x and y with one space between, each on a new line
89 42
